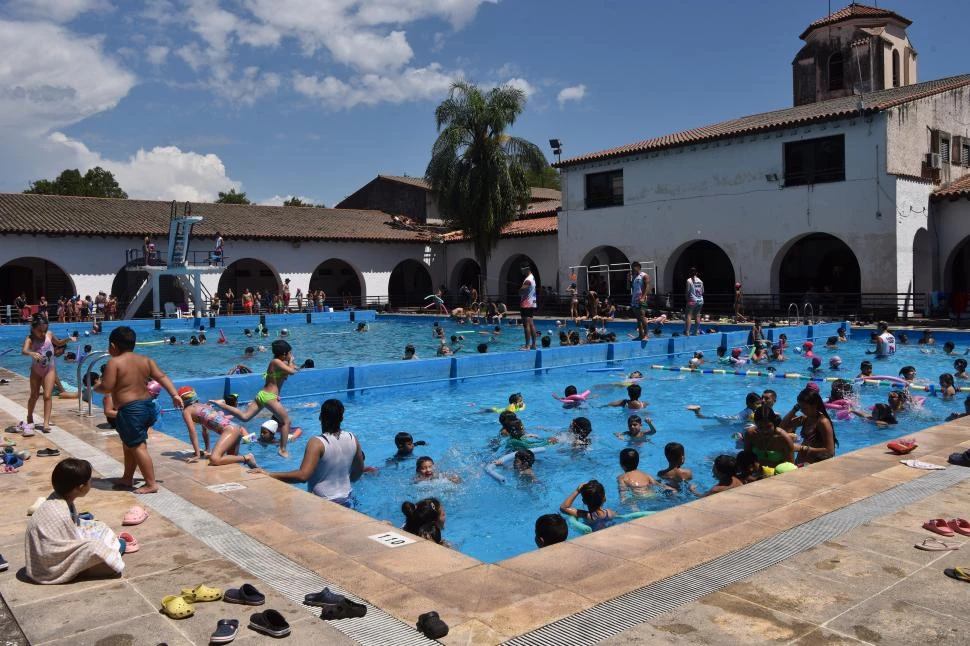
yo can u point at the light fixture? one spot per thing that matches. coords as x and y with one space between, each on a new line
771 177
556 146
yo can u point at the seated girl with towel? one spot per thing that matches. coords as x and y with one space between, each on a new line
59 546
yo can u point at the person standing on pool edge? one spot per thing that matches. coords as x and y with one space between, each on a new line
695 302
125 378
527 308
639 288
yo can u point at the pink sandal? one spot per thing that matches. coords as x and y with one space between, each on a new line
135 516
960 526
131 545
939 526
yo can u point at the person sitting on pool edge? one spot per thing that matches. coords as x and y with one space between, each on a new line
550 529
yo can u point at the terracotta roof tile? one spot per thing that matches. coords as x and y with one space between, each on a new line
517 229
959 188
854 10
545 207
787 118
62 215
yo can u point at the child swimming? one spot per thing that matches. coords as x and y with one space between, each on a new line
634 429
594 497
424 469
522 464
724 470
633 392
675 472
634 483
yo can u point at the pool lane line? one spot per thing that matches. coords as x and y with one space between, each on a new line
287 577
650 602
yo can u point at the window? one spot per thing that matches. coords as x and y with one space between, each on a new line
814 161
965 154
604 189
895 68
944 148
836 81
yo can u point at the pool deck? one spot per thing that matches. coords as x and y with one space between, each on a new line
868 585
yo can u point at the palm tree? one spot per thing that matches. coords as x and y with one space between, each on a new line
477 172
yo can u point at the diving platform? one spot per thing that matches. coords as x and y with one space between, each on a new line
176 260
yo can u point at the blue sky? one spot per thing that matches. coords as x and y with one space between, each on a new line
184 98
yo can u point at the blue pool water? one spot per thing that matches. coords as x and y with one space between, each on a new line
441 401
490 520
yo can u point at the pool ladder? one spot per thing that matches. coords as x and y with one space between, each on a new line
805 315
87 390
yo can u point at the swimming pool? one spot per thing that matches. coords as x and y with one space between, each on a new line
490 520
331 340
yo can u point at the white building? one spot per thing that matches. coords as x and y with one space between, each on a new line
835 194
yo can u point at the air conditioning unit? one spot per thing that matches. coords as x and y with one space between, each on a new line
933 160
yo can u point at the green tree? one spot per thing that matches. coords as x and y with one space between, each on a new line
547 177
295 201
478 172
232 197
97 182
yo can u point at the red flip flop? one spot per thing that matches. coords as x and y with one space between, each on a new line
901 447
960 526
939 526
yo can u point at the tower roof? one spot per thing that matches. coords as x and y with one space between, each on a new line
855 10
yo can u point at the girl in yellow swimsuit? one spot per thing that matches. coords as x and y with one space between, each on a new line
279 369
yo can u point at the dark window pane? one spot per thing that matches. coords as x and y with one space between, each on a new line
604 189
814 161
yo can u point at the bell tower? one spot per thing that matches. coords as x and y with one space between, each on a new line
855 50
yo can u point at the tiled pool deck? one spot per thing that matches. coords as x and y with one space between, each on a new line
868 585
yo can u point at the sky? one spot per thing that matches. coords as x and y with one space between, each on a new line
181 99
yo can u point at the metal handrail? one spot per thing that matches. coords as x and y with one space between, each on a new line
90 359
798 316
806 308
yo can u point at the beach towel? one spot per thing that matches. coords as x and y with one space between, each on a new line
133 421
58 550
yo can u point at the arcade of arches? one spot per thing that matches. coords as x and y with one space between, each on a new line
126 285
36 277
337 279
251 274
409 284
467 273
713 267
818 263
512 279
605 271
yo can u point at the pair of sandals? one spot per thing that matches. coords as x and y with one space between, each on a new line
334 606
948 528
269 622
180 606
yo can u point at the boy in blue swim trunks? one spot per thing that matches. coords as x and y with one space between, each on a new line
125 378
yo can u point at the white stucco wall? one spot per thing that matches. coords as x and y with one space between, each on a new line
542 249
718 192
909 128
950 230
911 211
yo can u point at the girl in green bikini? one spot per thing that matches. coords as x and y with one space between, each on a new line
772 444
279 369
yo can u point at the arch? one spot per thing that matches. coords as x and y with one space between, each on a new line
511 277
957 275
816 264
466 272
36 277
922 266
895 68
249 273
126 284
836 71
603 283
337 278
713 265
409 284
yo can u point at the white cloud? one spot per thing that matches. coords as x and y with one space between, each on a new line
521 84
572 93
277 200
439 42
51 77
411 84
162 173
58 10
156 54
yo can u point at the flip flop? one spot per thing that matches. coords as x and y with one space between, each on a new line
269 622
226 630
936 545
175 607
900 447
28 430
246 594
131 545
958 573
960 526
135 516
201 592
939 526
48 453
